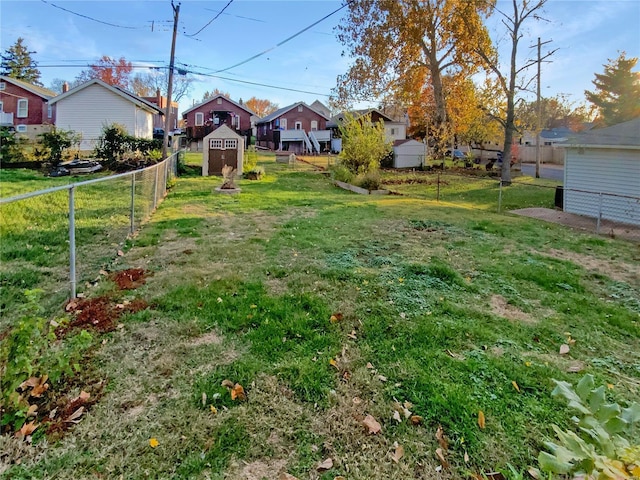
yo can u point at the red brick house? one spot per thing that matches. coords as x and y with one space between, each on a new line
297 128
205 117
26 107
161 102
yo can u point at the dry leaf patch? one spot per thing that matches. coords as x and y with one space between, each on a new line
500 307
617 270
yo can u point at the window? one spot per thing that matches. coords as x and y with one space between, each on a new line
199 119
314 125
298 125
393 131
216 143
300 108
21 128
3 85
230 143
1 107
49 110
283 123
23 108
219 101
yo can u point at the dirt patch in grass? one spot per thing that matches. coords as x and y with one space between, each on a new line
260 470
99 313
500 307
616 270
129 279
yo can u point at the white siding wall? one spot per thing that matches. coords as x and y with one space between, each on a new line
409 154
399 131
90 109
598 170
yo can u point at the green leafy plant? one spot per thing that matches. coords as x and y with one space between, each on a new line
13 147
341 173
608 443
255 173
370 180
364 144
55 142
250 159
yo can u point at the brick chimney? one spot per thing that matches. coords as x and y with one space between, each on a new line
159 98
65 87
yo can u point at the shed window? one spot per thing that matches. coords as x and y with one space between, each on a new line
230 143
216 143
199 119
23 108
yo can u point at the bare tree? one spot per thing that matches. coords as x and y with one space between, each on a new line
148 84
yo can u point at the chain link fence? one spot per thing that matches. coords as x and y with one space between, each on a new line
61 237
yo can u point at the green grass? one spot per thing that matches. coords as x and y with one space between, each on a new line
443 305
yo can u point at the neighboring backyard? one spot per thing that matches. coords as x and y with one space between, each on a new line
397 336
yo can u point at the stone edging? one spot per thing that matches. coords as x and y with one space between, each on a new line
359 190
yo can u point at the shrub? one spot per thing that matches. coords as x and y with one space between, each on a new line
364 144
250 159
369 180
55 142
14 148
112 143
115 145
341 173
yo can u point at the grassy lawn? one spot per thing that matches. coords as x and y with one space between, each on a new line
326 307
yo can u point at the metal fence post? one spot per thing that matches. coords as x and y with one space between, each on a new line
500 198
438 189
72 241
133 204
599 213
155 189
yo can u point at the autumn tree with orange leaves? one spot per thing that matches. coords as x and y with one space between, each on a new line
116 72
261 107
408 47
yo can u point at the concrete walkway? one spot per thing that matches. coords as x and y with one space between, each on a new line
580 222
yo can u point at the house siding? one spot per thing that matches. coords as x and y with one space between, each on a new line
91 109
265 131
36 120
208 110
603 170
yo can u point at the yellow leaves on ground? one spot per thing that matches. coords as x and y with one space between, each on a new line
334 364
372 425
237 393
515 385
28 428
481 421
153 442
336 317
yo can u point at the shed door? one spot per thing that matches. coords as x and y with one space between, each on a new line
222 152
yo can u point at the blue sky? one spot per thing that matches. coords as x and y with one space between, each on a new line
585 32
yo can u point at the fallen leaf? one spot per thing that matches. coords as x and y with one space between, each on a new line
352 335
481 421
153 442
396 416
610 386
32 411
213 409
466 457
120 253
335 318
382 378
227 383
369 365
333 363
515 385
535 473
441 438
398 453
287 476
84 396
204 398
325 465
416 419
527 364
371 424
103 272
237 393
575 368
494 476
564 349
75 416
339 477
440 455
28 428
356 400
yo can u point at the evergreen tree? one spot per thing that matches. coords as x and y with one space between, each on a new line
17 63
617 94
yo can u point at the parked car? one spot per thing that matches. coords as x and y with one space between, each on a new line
158 133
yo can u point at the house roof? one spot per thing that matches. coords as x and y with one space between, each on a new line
141 102
623 135
283 110
318 106
397 143
339 118
239 105
35 89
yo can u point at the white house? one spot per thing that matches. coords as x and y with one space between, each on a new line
408 153
89 107
393 130
602 173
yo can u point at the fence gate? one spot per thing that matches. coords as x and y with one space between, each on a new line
222 151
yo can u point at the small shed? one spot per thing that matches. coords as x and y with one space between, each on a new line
602 173
222 147
408 153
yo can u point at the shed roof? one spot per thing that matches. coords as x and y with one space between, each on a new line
622 135
35 89
223 131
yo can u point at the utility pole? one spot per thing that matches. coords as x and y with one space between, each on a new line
539 111
167 112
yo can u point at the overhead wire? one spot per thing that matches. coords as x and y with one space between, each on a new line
211 21
91 18
286 39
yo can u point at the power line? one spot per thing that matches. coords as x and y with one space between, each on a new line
211 21
90 18
286 39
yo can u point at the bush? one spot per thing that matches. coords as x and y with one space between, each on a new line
341 173
369 181
250 159
364 144
55 142
14 148
117 147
